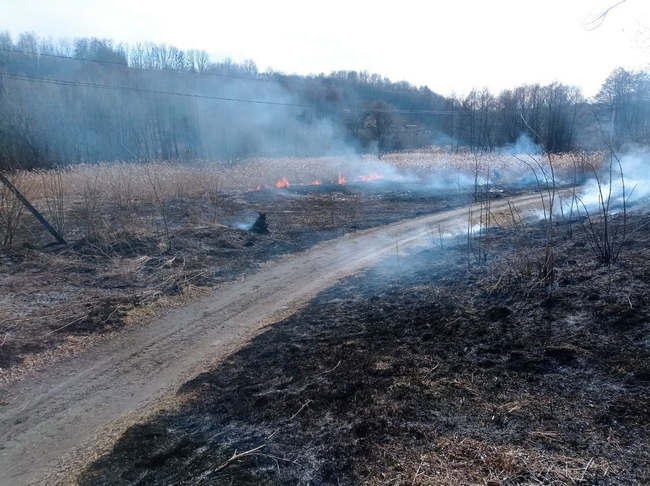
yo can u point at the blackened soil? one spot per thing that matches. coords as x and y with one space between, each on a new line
428 369
50 293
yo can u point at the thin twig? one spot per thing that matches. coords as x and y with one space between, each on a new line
300 409
329 371
236 456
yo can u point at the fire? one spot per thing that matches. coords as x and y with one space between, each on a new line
284 182
370 177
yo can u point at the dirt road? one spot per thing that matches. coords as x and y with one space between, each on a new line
72 406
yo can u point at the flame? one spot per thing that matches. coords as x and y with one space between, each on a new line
374 176
284 182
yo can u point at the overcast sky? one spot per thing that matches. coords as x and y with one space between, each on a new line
449 45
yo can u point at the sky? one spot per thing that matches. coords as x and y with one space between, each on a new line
451 46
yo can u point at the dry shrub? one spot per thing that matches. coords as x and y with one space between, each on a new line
55 198
89 210
12 209
606 224
157 183
120 186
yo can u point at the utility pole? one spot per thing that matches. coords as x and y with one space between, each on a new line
33 210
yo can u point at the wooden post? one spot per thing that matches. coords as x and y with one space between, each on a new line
33 210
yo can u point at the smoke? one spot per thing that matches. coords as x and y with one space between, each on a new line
613 183
138 115
629 181
373 169
504 167
246 223
453 181
442 139
524 145
242 129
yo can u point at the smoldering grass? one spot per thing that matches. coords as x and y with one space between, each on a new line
96 200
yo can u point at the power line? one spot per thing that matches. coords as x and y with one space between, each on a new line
220 75
416 112
88 84
128 66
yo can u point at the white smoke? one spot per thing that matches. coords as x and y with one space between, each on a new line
524 145
630 180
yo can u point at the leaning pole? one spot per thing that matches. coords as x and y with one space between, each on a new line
33 210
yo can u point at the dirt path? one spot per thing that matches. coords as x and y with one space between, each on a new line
74 405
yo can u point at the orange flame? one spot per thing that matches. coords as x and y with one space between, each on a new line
315 183
282 183
342 179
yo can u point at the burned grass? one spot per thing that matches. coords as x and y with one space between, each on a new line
426 371
56 300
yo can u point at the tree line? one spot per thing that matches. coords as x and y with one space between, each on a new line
93 100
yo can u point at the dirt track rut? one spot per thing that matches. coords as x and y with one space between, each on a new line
55 412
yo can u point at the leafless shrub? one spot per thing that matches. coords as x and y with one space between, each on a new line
478 226
54 196
89 212
543 169
156 185
606 223
214 191
120 185
11 211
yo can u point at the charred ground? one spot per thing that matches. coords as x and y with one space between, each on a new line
57 300
428 370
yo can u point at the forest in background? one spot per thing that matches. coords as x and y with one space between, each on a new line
90 100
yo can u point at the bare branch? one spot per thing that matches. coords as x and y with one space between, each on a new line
598 21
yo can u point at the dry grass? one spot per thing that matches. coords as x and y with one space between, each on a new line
108 199
104 200
451 461
425 160
128 182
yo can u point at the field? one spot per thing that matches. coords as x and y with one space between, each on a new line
422 371
505 353
148 236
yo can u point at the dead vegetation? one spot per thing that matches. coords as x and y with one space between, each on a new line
11 210
142 238
463 364
150 232
98 200
465 162
420 372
